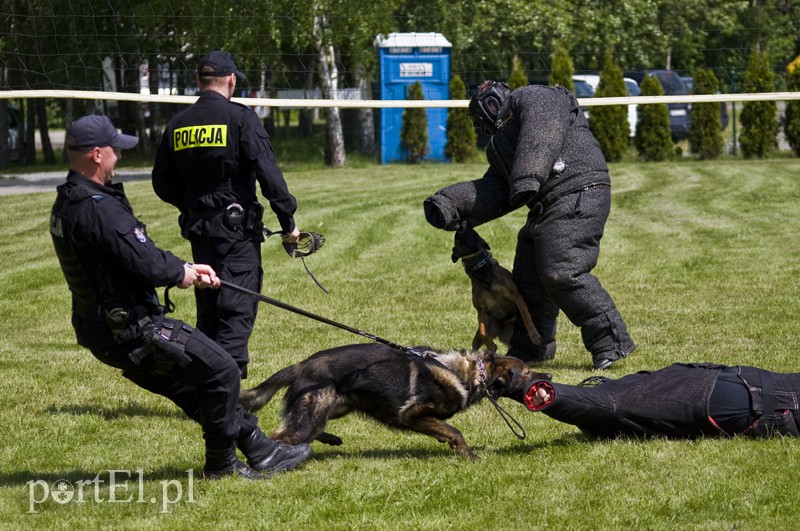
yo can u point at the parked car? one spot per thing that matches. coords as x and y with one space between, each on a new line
673 85
632 87
689 82
582 89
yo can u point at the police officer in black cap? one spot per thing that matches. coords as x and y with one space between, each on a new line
112 268
207 165
542 155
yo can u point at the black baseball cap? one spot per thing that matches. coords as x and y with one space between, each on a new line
96 130
218 64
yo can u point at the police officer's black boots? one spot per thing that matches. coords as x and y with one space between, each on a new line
270 457
223 462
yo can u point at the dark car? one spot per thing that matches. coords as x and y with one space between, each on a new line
582 89
689 82
680 118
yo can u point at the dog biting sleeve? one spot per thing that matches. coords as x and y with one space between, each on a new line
529 394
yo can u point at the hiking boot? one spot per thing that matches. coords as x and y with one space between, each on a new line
604 360
270 457
223 462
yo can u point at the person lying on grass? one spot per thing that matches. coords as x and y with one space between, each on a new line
683 400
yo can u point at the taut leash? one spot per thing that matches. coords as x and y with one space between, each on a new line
283 305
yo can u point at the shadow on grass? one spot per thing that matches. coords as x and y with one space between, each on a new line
108 413
444 452
23 477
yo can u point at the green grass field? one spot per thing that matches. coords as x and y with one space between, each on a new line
701 258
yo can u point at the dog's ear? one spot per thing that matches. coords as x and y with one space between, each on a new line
457 237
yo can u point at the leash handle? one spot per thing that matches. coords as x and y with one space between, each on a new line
284 306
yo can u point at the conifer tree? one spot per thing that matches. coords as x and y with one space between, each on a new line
759 121
517 78
562 69
461 136
609 123
705 132
653 137
414 131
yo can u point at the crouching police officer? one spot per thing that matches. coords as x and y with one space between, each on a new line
112 268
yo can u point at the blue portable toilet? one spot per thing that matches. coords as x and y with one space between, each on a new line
406 58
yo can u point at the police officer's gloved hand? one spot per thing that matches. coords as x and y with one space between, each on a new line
537 395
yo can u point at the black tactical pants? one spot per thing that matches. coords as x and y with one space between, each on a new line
207 390
224 315
556 252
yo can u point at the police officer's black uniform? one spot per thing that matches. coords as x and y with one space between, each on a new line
111 267
207 164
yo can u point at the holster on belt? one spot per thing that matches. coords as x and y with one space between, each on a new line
166 344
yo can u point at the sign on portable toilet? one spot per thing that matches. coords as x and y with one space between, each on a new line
406 58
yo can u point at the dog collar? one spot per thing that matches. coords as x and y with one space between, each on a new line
481 372
477 261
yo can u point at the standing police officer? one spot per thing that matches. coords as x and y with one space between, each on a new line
542 154
112 268
207 164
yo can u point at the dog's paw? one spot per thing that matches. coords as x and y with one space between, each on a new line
328 438
535 337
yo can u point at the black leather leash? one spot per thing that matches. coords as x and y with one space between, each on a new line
283 305
505 415
507 418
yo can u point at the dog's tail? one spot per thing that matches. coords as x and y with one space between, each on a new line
257 397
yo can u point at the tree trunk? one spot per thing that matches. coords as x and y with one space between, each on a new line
44 134
334 138
28 154
366 117
4 155
69 117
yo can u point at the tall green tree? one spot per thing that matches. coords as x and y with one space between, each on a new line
609 123
705 132
759 118
653 137
517 78
461 136
562 69
414 129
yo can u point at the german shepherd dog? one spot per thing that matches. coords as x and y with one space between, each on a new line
399 389
494 293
